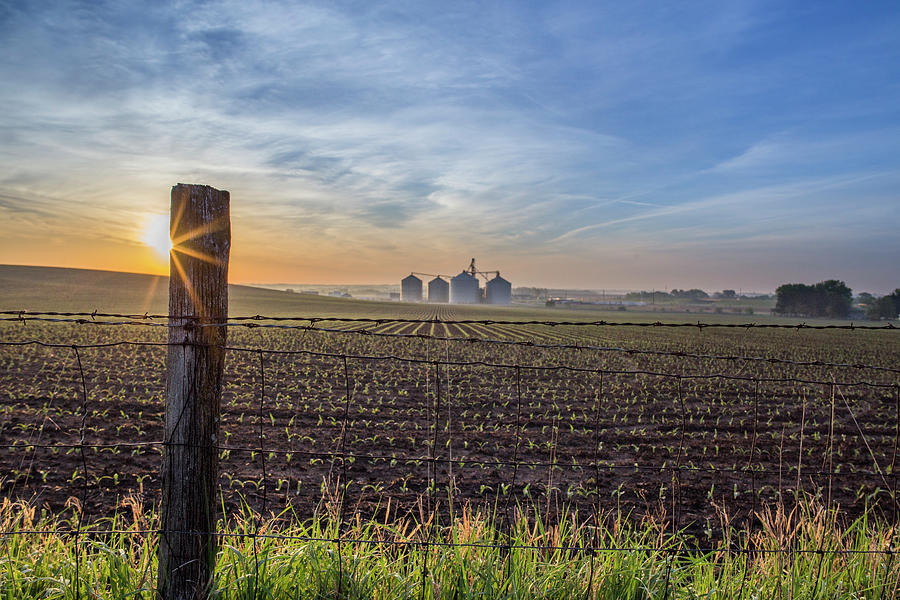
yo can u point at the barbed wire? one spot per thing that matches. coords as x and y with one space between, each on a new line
458 363
91 317
516 343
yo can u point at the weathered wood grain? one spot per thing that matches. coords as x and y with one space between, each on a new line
198 295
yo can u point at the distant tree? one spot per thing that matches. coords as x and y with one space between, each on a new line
647 296
830 298
727 295
865 299
692 294
834 297
791 299
886 307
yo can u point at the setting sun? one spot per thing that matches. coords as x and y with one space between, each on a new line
156 235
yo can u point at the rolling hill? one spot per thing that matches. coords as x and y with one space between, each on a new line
63 289
84 290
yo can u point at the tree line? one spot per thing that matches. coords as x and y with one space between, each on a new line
832 299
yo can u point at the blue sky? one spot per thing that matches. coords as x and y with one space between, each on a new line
580 144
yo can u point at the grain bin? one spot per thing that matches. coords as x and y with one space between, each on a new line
411 289
438 290
464 289
498 291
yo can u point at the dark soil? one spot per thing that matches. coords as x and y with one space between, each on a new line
631 434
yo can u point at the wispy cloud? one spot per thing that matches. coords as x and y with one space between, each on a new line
804 153
755 202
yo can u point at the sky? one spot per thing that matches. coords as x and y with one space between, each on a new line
618 145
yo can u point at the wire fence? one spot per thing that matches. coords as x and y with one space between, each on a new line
248 321
423 419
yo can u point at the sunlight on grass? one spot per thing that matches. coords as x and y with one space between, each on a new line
476 555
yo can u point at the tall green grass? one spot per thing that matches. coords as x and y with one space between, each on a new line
474 556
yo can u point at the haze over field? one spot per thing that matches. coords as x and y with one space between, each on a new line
569 144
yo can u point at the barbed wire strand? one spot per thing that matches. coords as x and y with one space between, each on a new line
458 363
528 344
90 317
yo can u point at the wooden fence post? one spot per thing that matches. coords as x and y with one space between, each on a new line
198 297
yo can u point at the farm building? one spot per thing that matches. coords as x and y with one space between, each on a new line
498 291
464 289
438 290
411 289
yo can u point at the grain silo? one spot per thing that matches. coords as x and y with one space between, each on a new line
464 289
498 291
438 290
411 289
